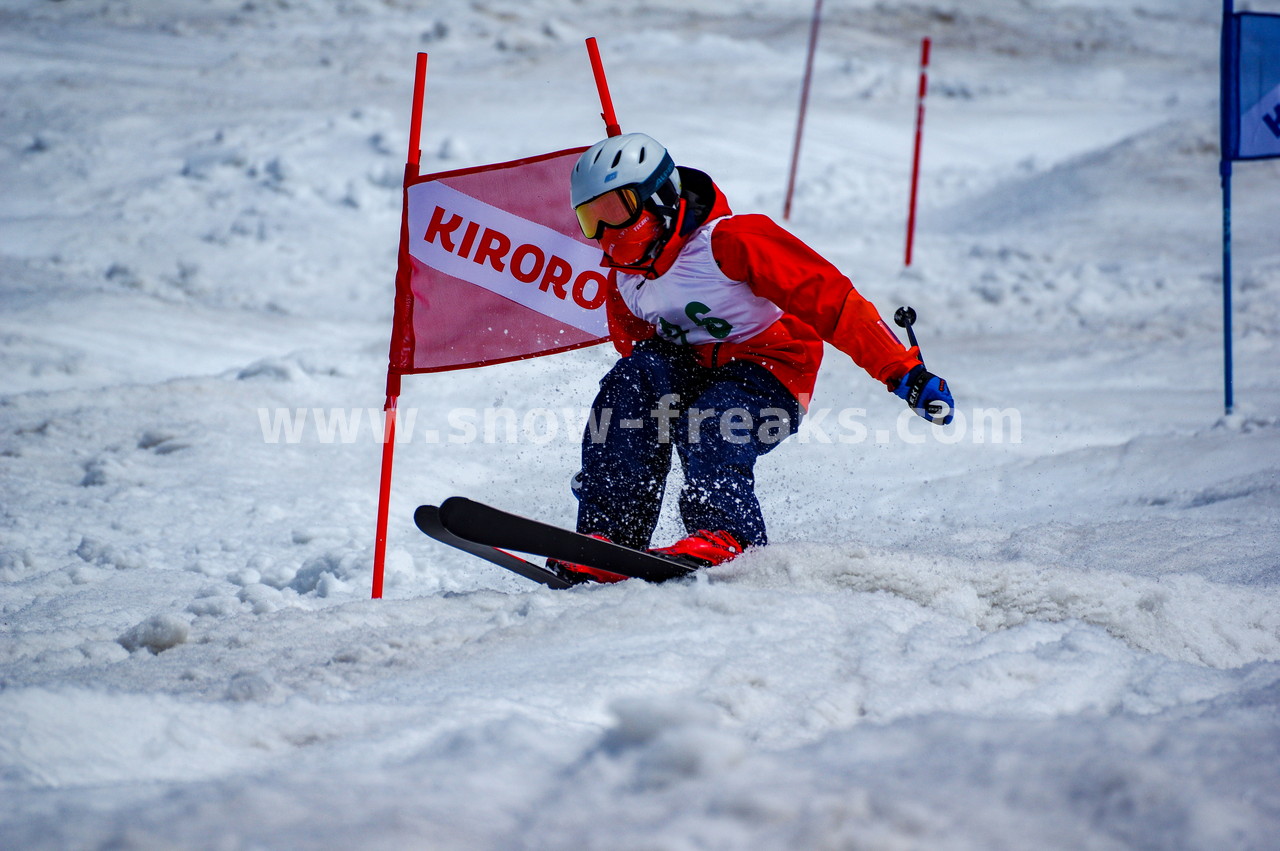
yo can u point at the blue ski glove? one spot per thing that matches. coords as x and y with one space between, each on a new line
927 395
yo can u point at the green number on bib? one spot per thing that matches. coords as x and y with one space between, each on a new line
718 328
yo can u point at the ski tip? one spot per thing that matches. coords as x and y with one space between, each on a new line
426 515
450 505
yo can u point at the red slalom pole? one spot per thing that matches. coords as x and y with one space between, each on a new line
384 486
611 126
804 106
915 159
415 123
412 162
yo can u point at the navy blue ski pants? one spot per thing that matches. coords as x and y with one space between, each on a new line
720 420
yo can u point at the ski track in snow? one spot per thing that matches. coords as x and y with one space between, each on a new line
1065 634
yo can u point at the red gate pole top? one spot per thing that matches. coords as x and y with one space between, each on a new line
415 123
602 86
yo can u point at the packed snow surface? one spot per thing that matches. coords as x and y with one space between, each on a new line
1055 624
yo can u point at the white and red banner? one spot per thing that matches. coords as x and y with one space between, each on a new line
493 268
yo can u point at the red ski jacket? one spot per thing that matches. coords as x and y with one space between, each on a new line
816 300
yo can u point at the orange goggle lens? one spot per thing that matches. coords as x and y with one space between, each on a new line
616 209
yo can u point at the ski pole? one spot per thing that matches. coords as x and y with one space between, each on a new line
905 317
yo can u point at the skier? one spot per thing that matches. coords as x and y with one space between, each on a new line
720 321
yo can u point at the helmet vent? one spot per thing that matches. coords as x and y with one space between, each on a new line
617 158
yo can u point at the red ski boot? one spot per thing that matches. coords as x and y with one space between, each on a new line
702 549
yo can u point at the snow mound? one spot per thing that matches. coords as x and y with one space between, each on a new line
1180 616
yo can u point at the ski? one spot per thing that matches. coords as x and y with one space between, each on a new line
428 519
488 526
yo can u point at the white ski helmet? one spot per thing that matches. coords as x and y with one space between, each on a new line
631 161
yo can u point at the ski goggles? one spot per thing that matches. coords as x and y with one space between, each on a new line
618 208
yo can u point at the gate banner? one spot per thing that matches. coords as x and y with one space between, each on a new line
494 268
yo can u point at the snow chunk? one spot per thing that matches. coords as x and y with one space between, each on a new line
249 686
99 471
262 599
98 552
16 565
157 634
326 574
272 369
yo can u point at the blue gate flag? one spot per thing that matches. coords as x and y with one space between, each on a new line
1250 128
1251 84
